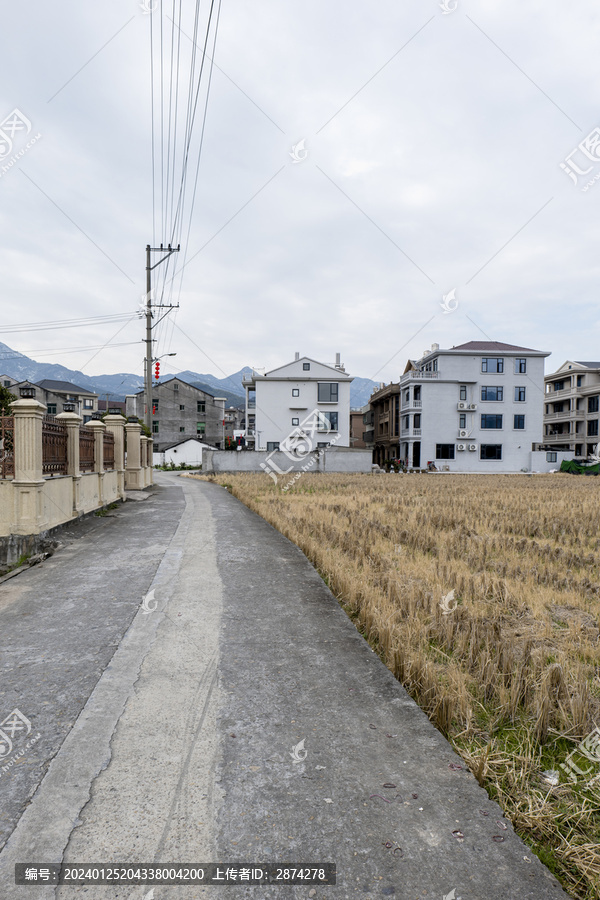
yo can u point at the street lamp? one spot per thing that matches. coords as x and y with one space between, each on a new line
223 400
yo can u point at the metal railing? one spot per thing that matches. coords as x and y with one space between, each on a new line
54 447
86 450
109 450
7 447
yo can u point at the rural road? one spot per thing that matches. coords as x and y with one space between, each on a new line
242 721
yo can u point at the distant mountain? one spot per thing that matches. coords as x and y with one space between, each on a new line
21 367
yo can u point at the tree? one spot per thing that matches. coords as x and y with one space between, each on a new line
6 398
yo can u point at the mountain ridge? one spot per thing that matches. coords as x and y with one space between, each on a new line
116 386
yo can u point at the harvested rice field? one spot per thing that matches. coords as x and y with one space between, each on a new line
482 595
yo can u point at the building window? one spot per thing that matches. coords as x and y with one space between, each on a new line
154 427
200 427
406 396
181 407
579 380
492 364
154 405
519 422
462 420
490 451
155 448
520 395
7 384
492 393
328 421
176 386
295 421
417 421
328 392
87 419
52 409
592 404
558 385
295 392
463 392
488 421
88 404
181 428
201 406
322 444
592 427
407 421
520 366
551 456
444 451
272 445
306 367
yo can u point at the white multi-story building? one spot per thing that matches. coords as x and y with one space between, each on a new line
477 407
572 407
282 402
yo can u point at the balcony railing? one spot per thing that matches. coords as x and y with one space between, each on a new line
566 414
411 404
420 375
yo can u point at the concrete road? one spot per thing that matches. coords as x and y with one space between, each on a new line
235 716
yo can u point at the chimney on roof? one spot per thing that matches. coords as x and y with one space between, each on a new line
435 347
337 360
296 356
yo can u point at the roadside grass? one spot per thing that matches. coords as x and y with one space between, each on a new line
508 665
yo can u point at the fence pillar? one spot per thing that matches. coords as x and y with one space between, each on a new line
133 467
149 443
98 427
28 482
116 425
72 422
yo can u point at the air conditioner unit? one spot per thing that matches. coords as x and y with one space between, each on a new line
463 432
472 446
460 446
462 405
472 406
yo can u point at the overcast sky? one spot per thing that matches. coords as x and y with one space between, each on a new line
431 163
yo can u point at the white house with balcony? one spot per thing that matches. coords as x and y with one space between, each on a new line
305 400
572 408
477 407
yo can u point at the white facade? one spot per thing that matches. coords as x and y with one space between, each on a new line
477 407
281 404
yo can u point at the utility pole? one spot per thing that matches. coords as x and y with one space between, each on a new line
168 250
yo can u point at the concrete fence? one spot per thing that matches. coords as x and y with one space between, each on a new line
54 471
277 463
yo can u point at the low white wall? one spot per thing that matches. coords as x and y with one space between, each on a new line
539 463
340 459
